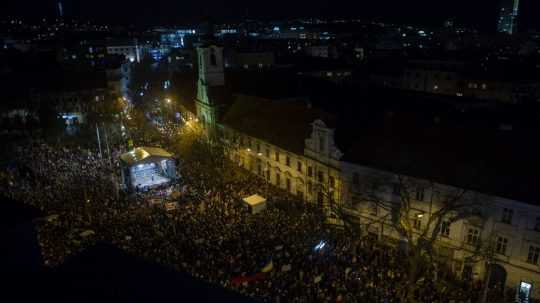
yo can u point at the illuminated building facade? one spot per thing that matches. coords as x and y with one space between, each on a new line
297 148
508 15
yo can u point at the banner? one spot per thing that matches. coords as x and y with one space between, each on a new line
246 279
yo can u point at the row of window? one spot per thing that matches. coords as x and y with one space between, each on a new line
288 161
475 85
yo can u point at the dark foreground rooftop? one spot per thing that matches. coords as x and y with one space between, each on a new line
102 273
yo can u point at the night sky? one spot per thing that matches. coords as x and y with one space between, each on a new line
477 13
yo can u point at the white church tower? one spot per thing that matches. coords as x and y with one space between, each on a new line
211 81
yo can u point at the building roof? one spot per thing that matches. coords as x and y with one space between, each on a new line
254 200
411 135
289 121
105 273
140 153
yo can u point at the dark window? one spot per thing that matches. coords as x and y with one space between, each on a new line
310 171
445 229
267 152
299 166
278 180
288 182
373 209
287 160
355 179
213 60
417 223
332 181
507 215
502 243
322 144
472 236
537 224
534 252
320 176
277 156
396 189
420 194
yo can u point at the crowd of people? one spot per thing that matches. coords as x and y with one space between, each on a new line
284 254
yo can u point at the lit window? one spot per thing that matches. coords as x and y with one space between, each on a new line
484 86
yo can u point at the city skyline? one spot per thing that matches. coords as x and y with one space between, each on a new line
480 14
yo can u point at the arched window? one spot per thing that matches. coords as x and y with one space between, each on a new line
213 58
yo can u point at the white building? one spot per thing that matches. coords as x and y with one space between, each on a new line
295 147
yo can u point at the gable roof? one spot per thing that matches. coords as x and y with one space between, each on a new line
282 123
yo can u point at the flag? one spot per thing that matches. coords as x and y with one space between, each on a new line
268 267
246 279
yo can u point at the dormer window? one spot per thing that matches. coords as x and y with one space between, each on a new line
322 143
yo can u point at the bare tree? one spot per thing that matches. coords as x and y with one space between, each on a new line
416 212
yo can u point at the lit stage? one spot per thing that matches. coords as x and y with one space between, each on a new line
147 167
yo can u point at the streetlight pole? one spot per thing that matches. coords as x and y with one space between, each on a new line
99 141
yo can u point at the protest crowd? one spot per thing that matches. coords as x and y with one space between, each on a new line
284 254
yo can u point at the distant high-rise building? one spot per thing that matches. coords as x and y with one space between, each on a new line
508 14
60 10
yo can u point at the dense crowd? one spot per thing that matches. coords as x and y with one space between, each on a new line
284 254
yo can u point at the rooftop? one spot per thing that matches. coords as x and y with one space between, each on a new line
141 153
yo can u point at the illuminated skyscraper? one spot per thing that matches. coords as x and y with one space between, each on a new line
508 14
